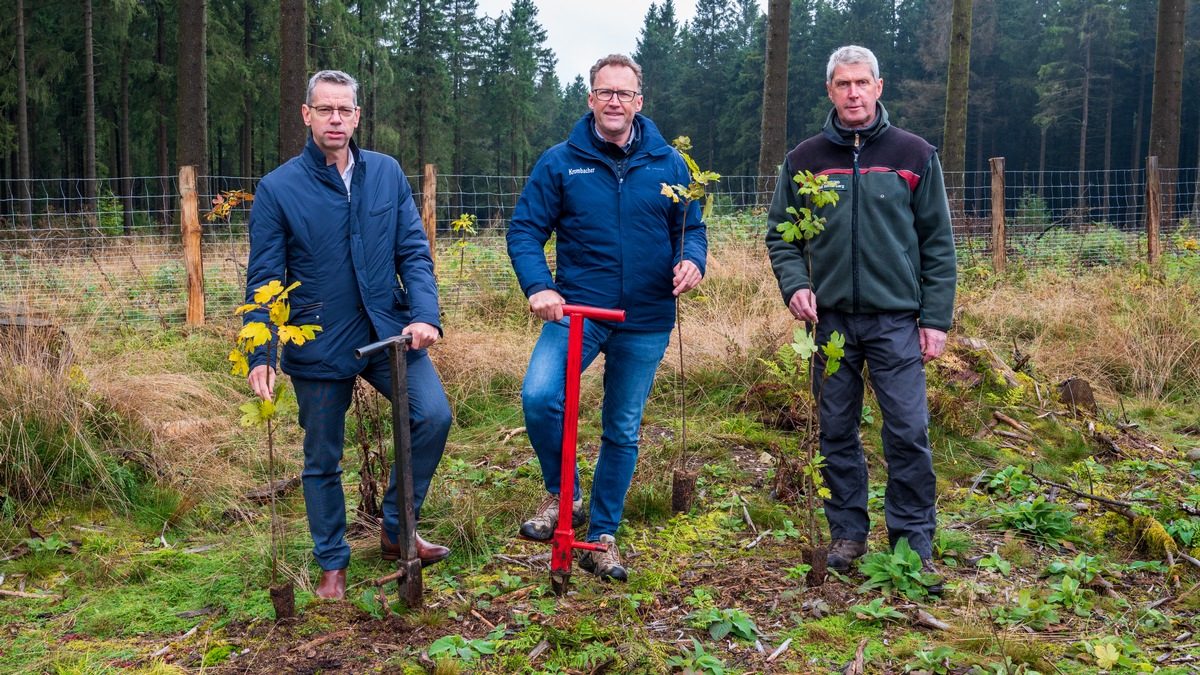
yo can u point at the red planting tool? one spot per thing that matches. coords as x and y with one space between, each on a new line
563 543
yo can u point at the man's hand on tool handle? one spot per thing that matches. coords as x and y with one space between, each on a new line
687 277
547 305
423 334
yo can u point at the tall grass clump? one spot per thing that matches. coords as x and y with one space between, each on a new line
1130 333
58 439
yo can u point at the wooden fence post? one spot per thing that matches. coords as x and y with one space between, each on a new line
429 210
192 262
1153 209
999 241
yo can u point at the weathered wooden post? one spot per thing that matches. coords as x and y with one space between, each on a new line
429 210
999 241
192 263
1153 209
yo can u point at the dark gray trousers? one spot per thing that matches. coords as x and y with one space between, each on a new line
890 347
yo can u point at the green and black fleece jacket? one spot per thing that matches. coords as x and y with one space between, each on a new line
887 245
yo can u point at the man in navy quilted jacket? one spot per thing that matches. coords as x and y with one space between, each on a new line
619 245
342 222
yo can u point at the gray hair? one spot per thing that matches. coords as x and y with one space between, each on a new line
615 60
848 55
332 77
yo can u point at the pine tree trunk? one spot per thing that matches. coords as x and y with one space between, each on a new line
123 141
246 137
164 153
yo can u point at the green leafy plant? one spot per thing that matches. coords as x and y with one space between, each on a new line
798 573
896 572
1027 611
1007 667
786 531
51 544
868 416
936 661
1040 519
876 611
1184 531
456 646
1011 481
1083 568
720 622
993 561
1072 596
697 661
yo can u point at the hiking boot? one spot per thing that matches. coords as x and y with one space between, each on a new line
928 568
545 520
842 552
605 564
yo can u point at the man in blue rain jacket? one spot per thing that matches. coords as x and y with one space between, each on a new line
619 245
342 222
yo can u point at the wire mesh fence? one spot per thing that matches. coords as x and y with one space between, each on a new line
108 254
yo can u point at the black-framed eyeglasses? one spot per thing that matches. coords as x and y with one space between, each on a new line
324 111
623 95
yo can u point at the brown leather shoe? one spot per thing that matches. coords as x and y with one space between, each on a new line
333 585
427 552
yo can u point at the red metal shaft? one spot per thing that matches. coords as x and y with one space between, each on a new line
564 536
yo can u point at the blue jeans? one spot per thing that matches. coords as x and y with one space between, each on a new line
323 405
890 347
631 360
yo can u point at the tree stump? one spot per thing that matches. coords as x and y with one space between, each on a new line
1077 395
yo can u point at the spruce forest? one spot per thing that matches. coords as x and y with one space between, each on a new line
1054 84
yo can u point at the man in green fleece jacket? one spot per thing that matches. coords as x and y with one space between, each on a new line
883 275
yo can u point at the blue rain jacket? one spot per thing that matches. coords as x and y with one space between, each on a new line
362 259
617 237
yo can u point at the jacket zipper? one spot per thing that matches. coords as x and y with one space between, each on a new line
854 229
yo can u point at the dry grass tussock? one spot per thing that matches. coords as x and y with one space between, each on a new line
736 312
1126 335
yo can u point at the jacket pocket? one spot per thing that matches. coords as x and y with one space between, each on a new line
306 314
380 210
400 296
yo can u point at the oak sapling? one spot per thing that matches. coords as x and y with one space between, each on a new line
683 481
804 226
273 333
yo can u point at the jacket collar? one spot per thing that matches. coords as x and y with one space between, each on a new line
843 136
313 155
650 141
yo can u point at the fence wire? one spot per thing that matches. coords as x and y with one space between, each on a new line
108 254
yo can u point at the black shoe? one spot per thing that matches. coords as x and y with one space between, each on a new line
842 552
928 568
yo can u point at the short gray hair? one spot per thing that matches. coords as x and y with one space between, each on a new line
848 55
332 77
619 60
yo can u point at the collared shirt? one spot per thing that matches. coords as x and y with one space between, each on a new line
633 136
349 172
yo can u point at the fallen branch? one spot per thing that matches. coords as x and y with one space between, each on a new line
1019 426
930 621
1012 434
331 637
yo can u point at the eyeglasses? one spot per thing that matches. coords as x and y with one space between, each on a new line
623 95
324 111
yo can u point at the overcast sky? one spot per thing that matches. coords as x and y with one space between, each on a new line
581 31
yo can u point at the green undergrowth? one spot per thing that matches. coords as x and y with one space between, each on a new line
1039 574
